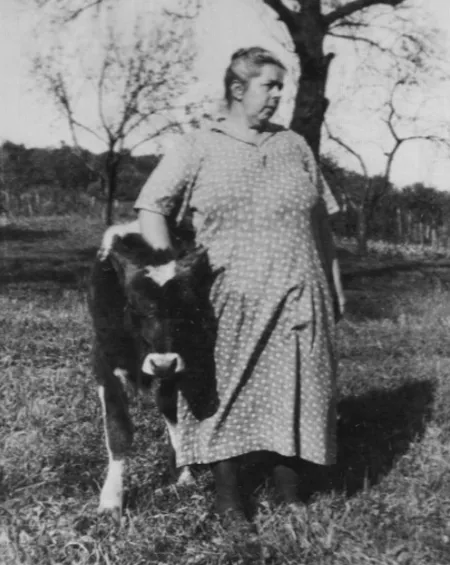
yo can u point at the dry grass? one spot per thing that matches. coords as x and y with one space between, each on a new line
386 502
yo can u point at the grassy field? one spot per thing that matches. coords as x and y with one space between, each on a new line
386 502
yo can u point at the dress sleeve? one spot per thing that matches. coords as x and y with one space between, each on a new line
168 189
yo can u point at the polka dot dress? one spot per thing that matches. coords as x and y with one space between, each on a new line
253 208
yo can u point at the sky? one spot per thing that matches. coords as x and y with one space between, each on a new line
28 116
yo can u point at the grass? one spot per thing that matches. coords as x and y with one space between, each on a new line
386 502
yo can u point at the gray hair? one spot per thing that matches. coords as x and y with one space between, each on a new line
246 64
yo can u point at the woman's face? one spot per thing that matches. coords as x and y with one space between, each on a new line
262 94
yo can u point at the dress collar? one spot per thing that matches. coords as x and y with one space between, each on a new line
222 125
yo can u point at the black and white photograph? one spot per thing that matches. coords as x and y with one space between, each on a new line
225 282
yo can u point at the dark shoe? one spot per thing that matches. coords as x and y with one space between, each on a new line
229 504
287 478
228 492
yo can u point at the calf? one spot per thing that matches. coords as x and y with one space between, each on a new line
151 327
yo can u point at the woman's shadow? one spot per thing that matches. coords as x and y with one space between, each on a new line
374 431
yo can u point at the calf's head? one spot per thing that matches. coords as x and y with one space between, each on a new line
163 309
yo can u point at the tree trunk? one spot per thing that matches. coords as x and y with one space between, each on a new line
310 102
362 231
112 167
398 223
111 182
434 236
410 227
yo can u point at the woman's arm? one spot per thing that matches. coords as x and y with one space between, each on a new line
154 229
118 230
337 281
151 225
165 193
330 259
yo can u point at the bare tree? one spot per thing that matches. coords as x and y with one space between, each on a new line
364 203
310 23
126 95
395 123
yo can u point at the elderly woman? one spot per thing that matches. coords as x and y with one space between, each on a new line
254 194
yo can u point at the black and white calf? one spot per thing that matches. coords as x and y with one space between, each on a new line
153 327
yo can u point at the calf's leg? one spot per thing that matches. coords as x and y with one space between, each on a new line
118 438
166 401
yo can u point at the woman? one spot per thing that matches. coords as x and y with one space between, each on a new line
253 192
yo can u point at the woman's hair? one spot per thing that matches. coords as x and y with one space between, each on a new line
246 64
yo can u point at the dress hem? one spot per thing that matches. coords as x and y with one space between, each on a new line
328 461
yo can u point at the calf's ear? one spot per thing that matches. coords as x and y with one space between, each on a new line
124 268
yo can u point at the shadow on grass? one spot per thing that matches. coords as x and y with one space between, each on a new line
79 473
366 305
76 474
394 268
379 295
374 431
67 269
10 233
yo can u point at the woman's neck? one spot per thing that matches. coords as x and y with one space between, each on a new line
236 117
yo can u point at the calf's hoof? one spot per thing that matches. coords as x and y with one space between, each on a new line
185 478
114 512
110 504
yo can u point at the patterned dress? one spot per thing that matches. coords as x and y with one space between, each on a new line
253 208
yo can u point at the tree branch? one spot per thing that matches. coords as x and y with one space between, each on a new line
184 15
339 141
287 16
393 112
154 135
349 23
353 37
355 6
74 15
399 141
101 82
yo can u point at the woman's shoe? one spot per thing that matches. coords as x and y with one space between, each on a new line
228 494
229 504
287 478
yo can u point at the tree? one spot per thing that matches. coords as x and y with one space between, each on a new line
120 87
311 22
70 170
401 129
364 203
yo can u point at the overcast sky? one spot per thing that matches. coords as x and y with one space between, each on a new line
27 116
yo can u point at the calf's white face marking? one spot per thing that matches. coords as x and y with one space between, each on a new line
163 362
112 491
161 274
186 477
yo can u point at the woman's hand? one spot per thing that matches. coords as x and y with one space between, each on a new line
340 304
119 230
339 296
